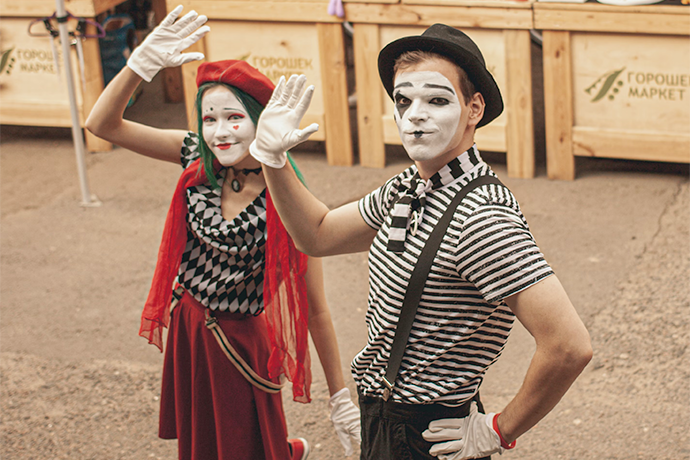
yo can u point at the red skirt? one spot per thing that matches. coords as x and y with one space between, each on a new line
213 411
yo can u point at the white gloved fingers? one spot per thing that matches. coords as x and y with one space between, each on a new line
301 135
170 18
190 40
277 91
446 448
346 419
304 101
183 22
277 130
344 439
445 423
289 88
161 48
198 22
297 90
182 59
441 435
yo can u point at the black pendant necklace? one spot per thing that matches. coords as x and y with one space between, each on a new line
235 183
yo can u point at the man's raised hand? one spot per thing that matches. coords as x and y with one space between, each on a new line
278 128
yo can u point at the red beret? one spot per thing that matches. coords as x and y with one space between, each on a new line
238 74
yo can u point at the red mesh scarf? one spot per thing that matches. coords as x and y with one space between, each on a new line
287 310
285 291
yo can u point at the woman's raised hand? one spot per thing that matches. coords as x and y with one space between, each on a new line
163 46
278 128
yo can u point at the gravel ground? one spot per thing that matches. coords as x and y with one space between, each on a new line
77 383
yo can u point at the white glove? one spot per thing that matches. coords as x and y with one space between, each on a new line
469 437
278 128
345 418
163 46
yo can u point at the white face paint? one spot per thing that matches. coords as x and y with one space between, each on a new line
427 112
227 128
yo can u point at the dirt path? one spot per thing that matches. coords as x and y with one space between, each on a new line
77 382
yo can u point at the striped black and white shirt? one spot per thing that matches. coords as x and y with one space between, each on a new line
462 323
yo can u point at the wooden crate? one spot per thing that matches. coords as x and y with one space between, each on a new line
371 1
282 38
31 91
500 29
616 83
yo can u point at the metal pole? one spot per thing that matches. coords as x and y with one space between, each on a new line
77 135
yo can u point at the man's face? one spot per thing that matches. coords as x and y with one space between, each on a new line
227 128
429 108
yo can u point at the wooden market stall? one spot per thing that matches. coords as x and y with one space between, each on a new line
501 30
281 38
616 83
33 91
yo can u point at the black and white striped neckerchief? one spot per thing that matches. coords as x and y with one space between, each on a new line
408 210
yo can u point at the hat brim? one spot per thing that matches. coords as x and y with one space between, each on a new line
481 78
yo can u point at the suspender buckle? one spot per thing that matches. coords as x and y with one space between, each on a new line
388 390
210 319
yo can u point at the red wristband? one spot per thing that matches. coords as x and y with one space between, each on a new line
504 444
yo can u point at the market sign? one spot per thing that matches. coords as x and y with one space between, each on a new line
623 82
32 80
643 85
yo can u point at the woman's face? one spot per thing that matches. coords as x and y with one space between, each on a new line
227 128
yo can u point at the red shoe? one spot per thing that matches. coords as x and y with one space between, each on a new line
299 449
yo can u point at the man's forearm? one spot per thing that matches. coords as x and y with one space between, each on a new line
301 213
550 375
316 230
563 350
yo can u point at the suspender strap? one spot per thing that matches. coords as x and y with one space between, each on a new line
418 279
242 366
226 347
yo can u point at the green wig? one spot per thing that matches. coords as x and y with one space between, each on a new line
254 109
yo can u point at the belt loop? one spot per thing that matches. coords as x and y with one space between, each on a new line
388 390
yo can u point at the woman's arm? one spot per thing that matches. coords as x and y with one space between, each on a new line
106 121
321 328
161 48
344 414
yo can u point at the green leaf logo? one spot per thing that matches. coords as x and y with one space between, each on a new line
609 87
6 61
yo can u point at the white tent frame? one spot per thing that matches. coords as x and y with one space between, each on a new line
88 200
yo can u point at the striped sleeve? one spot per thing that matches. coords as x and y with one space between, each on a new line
374 207
500 256
190 149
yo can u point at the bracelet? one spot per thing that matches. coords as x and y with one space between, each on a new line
504 444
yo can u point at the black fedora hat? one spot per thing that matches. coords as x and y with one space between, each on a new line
454 45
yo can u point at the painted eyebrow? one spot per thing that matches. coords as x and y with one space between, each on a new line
426 85
431 85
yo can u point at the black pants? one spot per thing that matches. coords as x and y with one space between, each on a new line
393 431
